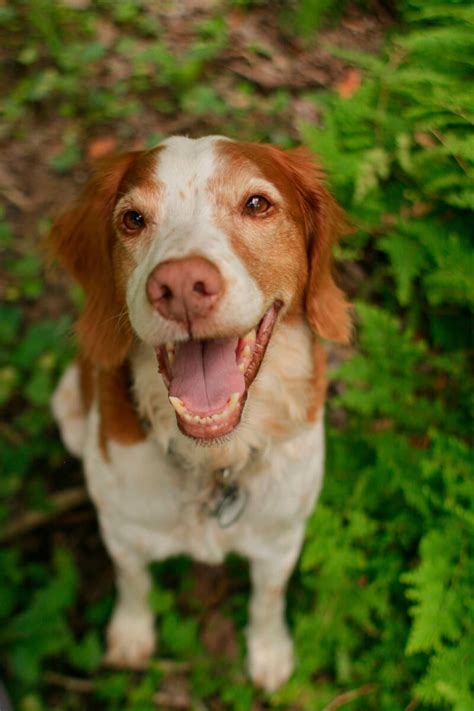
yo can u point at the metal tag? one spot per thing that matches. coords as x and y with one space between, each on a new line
229 505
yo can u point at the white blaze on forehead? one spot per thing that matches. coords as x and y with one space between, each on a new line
185 167
186 227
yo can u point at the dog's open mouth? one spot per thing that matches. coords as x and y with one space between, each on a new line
208 380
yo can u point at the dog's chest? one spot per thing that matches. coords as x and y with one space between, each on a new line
157 505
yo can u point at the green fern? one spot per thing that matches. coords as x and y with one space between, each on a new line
439 609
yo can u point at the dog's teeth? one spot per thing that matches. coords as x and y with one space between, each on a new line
233 400
170 348
250 336
212 420
178 405
242 367
246 352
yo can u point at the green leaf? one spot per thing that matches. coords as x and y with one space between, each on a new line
179 635
86 654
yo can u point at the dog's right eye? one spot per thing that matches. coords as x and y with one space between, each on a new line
133 220
257 205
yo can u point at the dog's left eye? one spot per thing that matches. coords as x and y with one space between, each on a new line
257 205
133 220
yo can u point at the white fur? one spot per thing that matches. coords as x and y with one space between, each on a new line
68 412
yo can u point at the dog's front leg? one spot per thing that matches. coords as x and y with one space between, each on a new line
269 645
130 634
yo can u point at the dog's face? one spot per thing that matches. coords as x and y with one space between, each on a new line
198 248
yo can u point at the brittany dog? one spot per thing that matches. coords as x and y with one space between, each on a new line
206 270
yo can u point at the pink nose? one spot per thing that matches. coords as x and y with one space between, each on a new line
184 289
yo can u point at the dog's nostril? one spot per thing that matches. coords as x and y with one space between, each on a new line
200 288
166 292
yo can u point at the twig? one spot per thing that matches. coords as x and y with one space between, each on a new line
348 696
70 683
167 666
12 193
60 502
16 197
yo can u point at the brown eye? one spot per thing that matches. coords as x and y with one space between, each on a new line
133 220
257 205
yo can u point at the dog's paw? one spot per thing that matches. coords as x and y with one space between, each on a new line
270 658
131 640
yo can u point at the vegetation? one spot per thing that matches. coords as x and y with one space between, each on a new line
382 602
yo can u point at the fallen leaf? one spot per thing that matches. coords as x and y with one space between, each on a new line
383 424
349 84
424 139
420 441
99 147
418 209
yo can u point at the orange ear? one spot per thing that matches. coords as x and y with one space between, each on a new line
326 306
83 241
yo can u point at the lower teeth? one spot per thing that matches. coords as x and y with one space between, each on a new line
180 408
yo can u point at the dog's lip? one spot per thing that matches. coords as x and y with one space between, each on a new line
216 424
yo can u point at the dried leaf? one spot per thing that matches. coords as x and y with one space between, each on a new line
349 83
99 147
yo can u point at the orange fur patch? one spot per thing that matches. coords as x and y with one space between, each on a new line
84 241
292 246
119 420
271 246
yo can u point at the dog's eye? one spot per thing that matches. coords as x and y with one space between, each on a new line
257 205
133 220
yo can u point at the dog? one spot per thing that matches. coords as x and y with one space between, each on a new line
206 268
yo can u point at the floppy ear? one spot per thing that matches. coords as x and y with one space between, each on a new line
83 241
327 309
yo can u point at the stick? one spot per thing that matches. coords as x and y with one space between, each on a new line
70 683
61 502
348 696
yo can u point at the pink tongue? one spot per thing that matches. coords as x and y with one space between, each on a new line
205 374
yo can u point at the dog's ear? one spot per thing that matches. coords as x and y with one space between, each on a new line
82 239
327 308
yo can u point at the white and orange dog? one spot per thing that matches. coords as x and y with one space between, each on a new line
206 268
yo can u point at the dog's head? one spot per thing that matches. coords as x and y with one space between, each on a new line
198 248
